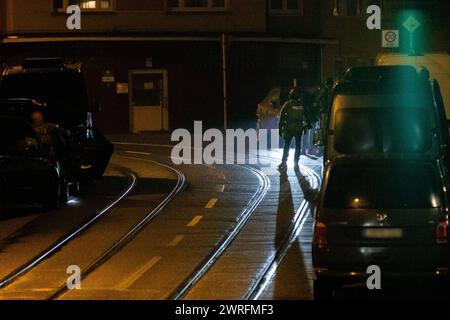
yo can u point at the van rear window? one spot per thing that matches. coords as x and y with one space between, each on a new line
381 187
380 130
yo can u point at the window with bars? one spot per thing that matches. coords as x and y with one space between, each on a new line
85 5
286 7
197 5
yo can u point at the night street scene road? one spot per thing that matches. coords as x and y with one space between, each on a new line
200 151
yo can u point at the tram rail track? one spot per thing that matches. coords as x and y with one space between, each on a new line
66 239
255 292
119 244
50 250
245 215
296 226
225 242
184 288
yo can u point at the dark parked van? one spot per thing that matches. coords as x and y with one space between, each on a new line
385 110
384 196
392 213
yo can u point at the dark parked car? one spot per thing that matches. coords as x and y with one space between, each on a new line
63 89
392 213
28 173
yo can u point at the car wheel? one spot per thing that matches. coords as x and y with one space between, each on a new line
74 189
64 192
323 290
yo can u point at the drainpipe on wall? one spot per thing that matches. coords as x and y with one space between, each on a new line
322 67
224 43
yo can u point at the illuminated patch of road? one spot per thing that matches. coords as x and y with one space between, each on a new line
299 220
202 269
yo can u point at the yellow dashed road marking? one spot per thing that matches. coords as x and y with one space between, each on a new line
175 241
211 203
195 221
128 282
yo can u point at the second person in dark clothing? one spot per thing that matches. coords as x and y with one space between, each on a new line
293 122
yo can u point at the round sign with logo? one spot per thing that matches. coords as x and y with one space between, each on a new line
390 36
390 39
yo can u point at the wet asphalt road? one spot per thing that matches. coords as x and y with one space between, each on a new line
184 232
229 215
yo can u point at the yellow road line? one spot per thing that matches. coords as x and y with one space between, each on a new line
195 221
175 241
211 203
128 282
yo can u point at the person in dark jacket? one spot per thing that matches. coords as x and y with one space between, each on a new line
323 101
293 122
51 136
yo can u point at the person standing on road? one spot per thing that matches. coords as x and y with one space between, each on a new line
323 101
268 112
293 123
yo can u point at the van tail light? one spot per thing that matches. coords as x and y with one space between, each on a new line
320 235
442 233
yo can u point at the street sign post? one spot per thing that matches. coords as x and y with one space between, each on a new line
411 24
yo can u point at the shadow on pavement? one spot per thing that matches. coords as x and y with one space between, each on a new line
290 280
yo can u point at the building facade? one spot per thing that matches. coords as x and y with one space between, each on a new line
159 64
346 20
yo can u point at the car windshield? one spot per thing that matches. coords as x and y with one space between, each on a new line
381 130
382 187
